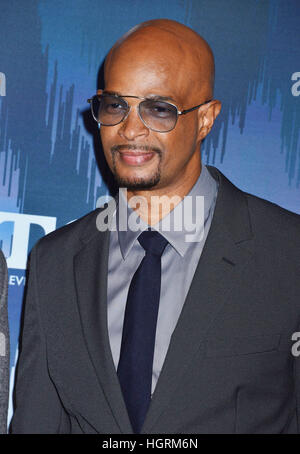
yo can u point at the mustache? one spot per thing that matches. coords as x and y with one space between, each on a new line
133 147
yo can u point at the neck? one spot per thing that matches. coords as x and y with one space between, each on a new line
154 205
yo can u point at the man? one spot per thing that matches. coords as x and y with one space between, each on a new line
4 346
147 330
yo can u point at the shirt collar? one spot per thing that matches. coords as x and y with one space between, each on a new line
205 186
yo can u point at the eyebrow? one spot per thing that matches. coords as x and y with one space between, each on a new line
150 96
160 98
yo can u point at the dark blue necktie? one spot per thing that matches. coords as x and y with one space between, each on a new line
139 327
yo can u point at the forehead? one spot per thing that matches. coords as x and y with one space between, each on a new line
141 68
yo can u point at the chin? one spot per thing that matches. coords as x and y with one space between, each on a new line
137 183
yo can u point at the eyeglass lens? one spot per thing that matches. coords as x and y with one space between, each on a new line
157 115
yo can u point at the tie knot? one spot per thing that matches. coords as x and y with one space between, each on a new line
153 242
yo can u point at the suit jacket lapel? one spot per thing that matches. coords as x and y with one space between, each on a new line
225 254
91 264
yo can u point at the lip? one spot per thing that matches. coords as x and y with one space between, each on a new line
136 158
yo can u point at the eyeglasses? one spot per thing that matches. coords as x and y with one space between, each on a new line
160 116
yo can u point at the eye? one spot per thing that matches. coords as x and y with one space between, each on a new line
159 109
113 106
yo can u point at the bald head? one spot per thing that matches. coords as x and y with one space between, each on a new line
175 49
159 60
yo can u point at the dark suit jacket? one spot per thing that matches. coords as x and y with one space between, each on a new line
229 366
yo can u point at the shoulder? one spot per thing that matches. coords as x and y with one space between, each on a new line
267 220
71 236
267 216
276 232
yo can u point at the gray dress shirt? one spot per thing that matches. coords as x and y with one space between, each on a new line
186 228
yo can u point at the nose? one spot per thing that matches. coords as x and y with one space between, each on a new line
133 127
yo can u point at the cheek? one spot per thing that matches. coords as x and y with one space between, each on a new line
106 145
107 136
181 143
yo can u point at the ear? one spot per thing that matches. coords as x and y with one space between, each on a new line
207 115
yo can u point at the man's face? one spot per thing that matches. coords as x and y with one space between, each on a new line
139 157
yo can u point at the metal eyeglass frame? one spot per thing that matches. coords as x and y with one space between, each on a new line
178 112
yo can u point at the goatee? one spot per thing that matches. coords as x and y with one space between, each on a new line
135 183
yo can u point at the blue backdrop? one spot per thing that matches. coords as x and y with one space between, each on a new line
50 58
